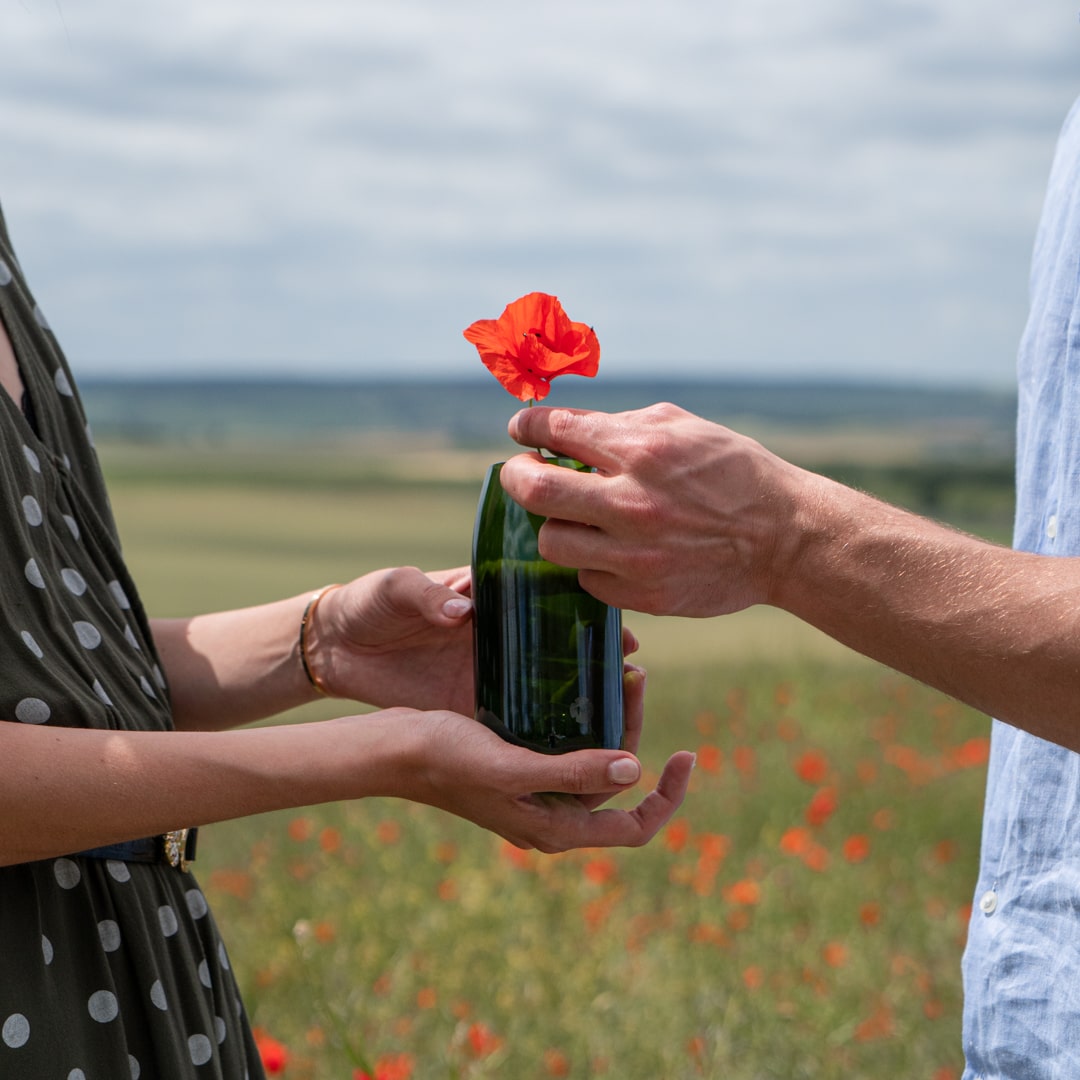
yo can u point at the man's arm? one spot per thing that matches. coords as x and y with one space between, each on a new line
687 517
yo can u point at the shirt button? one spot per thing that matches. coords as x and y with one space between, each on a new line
1051 526
988 902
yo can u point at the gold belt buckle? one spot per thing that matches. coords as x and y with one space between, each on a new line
176 848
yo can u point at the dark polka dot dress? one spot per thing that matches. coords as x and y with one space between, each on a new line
109 969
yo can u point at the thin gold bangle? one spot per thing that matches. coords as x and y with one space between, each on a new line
305 622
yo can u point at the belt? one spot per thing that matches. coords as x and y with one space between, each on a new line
176 848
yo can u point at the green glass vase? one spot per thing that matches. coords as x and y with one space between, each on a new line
548 655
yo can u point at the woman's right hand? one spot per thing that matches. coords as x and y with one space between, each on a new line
534 800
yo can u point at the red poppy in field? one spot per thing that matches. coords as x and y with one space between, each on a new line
601 870
745 760
676 835
796 841
275 1055
532 342
870 914
482 1041
745 891
945 851
821 807
878 1025
970 755
389 1067
856 847
835 954
812 767
557 1063
710 758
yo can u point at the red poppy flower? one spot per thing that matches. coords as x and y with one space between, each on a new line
275 1055
812 767
531 342
821 807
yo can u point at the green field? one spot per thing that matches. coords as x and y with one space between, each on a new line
803 916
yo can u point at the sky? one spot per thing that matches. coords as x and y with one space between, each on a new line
738 188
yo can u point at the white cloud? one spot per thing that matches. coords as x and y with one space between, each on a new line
746 187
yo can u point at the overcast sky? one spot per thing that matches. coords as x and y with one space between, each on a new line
738 187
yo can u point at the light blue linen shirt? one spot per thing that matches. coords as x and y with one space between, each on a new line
1022 961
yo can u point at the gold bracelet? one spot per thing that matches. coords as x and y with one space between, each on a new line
305 622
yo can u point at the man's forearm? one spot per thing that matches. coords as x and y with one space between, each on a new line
995 628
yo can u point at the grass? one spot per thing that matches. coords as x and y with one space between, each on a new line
803 915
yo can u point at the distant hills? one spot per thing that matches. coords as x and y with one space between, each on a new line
473 413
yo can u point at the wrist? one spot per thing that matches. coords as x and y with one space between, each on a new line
311 644
818 523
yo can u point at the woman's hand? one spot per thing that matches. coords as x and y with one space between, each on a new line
401 637
397 637
543 801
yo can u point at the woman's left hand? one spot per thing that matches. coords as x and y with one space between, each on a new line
397 637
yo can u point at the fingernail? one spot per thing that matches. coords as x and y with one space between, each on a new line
624 770
457 606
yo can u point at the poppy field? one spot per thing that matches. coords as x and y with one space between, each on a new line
803 915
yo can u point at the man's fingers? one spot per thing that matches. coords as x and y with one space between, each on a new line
550 490
562 431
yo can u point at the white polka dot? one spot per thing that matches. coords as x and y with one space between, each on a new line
73 581
109 932
90 435
32 710
223 956
16 1031
39 318
100 691
131 639
220 1030
31 644
136 1068
196 903
201 1049
88 634
46 950
148 690
67 873
73 526
119 595
169 923
32 511
33 574
158 677
76 1074
118 870
157 996
31 458
103 1006
204 974
5 273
